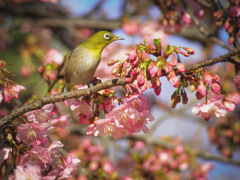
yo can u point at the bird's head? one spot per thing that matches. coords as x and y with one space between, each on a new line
100 40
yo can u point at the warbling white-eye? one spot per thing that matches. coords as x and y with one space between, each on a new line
84 59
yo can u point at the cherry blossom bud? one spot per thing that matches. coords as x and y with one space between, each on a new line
185 54
216 87
207 78
157 90
174 81
167 68
126 64
226 25
229 105
133 72
152 69
141 78
216 78
184 97
114 71
159 73
128 80
132 54
181 67
189 50
173 61
175 99
199 96
202 88
134 63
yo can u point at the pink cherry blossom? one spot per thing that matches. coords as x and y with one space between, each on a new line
207 78
132 54
83 110
174 80
12 92
213 107
216 87
62 121
152 69
202 89
16 89
167 68
128 118
141 78
37 155
68 167
41 115
138 101
32 133
29 171
181 67
173 61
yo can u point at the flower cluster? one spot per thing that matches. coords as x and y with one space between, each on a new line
38 154
230 18
8 89
146 71
94 160
128 118
216 106
163 163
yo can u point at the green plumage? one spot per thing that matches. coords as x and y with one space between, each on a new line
84 59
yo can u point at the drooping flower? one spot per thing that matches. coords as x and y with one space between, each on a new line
83 110
12 92
4 154
213 107
128 118
32 133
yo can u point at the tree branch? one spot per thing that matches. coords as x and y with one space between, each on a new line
223 58
58 97
77 22
107 84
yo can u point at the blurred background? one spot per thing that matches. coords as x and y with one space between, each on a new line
39 33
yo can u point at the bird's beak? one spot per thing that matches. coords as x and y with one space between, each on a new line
118 38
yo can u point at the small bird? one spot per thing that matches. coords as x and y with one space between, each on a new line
84 59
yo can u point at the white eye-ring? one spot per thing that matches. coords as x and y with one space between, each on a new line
107 36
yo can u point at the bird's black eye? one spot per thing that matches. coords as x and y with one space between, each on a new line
107 36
